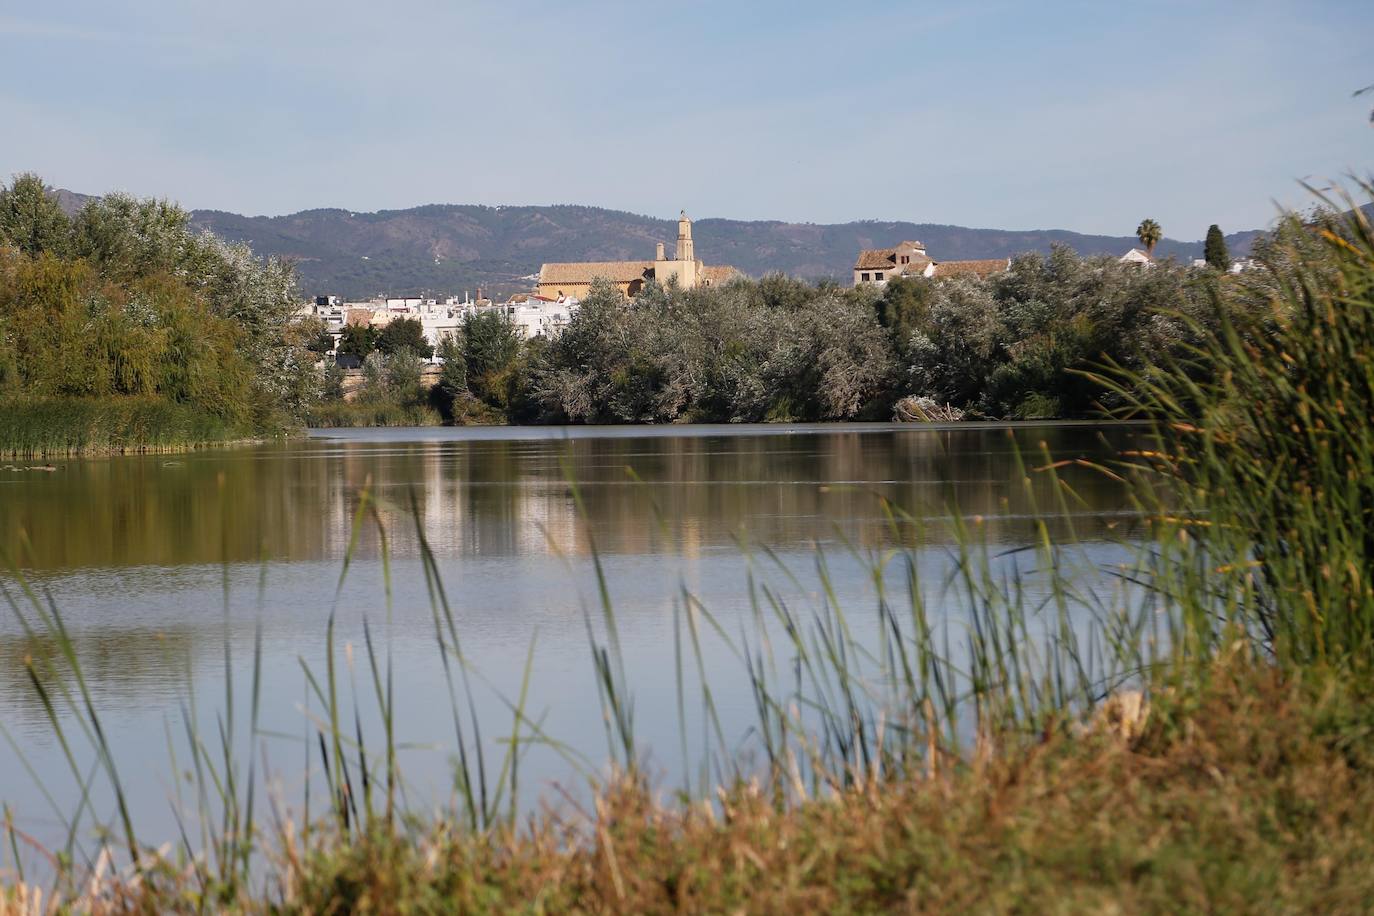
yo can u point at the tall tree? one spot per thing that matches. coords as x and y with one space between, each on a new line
1214 249
490 347
404 334
1149 234
453 377
357 340
31 219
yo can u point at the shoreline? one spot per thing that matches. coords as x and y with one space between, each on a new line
539 432
680 430
121 451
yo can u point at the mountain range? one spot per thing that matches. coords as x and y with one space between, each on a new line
452 248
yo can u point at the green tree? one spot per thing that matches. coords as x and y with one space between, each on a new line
132 237
374 388
490 347
321 342
453 374
313 334
128 238
357 340
403 380
333 382
1214 249
31 219
1149 234
404 334
904 306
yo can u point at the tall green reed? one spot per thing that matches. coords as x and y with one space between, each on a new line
1263 436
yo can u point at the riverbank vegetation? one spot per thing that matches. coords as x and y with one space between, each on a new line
1197 737
392 393
137 331
85 426
1013 345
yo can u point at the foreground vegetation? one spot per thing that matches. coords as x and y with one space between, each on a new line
1253 794
122 329
1197 738
1250 796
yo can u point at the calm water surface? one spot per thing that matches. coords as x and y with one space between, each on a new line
158 563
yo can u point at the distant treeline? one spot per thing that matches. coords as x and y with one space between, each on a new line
125 301
1013 345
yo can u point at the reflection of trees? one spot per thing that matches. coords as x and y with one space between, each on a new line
122 666
497 498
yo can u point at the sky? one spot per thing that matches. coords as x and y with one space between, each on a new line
1071 115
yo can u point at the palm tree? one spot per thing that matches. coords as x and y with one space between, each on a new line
1149 234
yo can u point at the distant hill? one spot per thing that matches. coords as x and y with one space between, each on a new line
449 248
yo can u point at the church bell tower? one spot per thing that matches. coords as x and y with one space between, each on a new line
684 239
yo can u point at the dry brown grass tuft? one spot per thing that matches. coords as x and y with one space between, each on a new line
1252 794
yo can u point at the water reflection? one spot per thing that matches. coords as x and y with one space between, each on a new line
507 498
156 563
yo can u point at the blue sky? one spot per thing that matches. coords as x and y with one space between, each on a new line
1077 115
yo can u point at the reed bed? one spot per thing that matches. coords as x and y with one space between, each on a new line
57 427
1013 735
353 414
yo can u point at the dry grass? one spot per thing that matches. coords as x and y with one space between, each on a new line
1257 795
1253 794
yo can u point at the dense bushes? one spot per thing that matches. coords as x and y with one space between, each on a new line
1012 345
125 300
392 393
69 332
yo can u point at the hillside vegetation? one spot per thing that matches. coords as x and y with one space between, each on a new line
450 248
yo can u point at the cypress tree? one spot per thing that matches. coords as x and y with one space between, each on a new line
1214 250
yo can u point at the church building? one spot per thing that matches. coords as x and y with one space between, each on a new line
572 280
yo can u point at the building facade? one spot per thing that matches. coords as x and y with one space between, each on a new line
573 280
876 266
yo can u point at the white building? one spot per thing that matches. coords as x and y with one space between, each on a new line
539 316
1136 256
532 315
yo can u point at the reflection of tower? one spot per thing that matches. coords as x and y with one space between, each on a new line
684 239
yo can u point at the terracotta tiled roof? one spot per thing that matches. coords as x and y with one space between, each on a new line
885 258
586 271
984 268
718 273
876 259
358 316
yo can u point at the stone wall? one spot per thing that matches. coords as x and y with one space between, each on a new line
353 379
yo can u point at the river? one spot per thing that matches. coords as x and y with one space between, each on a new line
165 568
